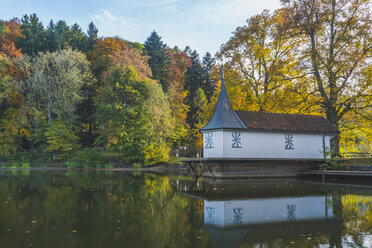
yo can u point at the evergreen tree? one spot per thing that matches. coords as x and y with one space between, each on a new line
199 104
194 80
159 60
209 87
78 40
92 36
62 35
50 37
34 40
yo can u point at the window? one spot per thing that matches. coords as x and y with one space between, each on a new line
209 140
289 141
291 212
236 140
209 216
238 216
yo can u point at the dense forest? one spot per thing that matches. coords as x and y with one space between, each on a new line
64 91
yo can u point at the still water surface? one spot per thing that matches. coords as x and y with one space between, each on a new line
119 209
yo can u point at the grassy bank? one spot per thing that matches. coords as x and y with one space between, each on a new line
85 158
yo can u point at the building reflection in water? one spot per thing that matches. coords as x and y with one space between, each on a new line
258 212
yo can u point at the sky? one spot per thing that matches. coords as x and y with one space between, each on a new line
204 25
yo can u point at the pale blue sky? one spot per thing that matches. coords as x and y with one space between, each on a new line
204 25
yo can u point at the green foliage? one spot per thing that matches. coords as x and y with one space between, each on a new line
12 119
32 158
291 61
337 49
56 81
134 117
209 85
197 77
200 103
60 139
55 37
25 165
72 164
92 35
52 93
34 40
140 47
331 161
17 164
90 156
137 165
8 143
159 60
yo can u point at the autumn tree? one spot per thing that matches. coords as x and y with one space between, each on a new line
54 89
336 54
105 54
134 117
179 62
102 55
12 117
260 59
10 34
101 58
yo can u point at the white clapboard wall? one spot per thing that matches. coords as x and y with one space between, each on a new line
263 145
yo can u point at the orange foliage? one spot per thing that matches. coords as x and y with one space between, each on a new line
11 32
103 53
180 61
129 56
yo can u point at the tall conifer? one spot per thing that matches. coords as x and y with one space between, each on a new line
159 60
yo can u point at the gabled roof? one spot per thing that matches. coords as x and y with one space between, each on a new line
287 122
224 117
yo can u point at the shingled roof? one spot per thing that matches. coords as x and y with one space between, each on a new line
287 122
224 117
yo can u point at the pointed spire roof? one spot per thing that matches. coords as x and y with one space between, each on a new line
224 117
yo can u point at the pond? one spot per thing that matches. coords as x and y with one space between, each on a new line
121 209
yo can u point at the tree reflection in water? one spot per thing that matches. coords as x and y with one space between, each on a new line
117 209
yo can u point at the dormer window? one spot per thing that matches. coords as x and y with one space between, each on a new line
288 138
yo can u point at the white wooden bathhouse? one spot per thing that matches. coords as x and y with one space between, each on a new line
259 135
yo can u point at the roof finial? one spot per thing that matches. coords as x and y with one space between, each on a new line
222 77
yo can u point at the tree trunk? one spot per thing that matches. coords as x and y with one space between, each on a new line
335 146
332 117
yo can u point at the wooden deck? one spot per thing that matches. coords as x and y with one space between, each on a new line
225 168
249 167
